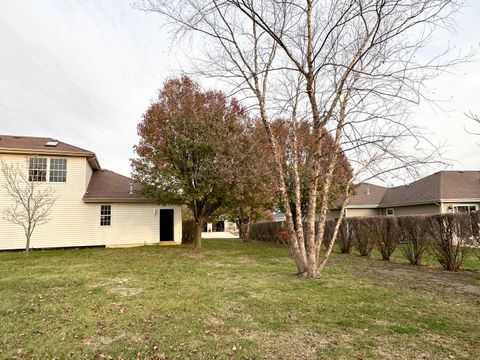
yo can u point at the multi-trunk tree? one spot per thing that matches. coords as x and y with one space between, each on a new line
191 143
295 150
351 68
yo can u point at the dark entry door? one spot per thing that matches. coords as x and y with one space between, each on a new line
166 224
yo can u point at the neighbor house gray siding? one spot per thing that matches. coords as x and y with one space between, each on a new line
423 209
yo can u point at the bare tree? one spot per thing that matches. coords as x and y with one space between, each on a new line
32 201
474 117
350 68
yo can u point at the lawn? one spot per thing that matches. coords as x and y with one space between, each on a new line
231 300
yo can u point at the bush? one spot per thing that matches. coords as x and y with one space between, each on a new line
451 239
268 231
344 238
414 238
387 234
188 231
328 233
362 235
475 230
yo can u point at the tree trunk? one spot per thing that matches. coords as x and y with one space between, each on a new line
245 232
197 239
27 246
312 269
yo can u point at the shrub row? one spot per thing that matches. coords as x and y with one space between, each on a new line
449 237
188 231
269 231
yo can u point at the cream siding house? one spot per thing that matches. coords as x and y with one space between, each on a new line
442 192
93 207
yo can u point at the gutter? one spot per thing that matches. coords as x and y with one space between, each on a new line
46 152
117 200
91 157
93 161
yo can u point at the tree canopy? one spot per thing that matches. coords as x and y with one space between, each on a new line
189 149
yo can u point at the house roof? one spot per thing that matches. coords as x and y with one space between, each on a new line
104 185
443 185
108 186
368 194
44 146
440 186
460 185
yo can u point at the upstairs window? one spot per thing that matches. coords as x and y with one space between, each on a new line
105 215
58 170
37 169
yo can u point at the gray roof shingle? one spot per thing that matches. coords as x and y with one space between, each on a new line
26 143
442 185
106 185
38 145
368 194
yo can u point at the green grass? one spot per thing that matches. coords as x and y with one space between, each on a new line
231 300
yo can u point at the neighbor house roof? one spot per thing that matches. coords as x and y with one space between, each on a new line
460 185
44 146
441 186
368 194
108 186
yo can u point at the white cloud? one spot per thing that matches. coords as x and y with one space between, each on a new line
85 71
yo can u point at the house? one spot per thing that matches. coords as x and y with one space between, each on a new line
442 192
220 226
93 207
221 229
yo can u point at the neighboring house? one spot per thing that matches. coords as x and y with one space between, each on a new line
221 229
278 216
94 207
442 192
220 226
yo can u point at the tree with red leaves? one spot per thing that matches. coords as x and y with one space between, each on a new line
189 149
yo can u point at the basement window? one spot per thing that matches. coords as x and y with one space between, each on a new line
58 170
37 169
105 215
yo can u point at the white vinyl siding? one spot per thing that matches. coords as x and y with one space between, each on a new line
75 223
88 174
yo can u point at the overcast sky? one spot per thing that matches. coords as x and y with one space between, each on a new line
84 72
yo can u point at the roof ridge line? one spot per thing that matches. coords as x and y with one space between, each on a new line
128 177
